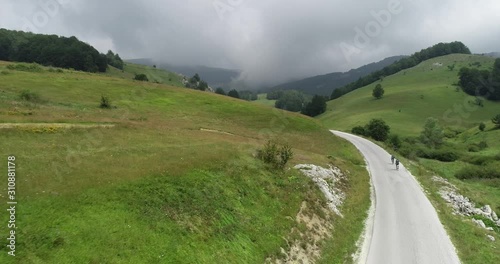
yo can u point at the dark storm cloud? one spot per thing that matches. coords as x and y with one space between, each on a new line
270 41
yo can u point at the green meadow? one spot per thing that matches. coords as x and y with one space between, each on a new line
171 178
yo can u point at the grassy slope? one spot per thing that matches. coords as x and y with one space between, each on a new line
155 188
264 101
413 95
153 74
428 91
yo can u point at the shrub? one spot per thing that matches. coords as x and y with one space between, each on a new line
476 147
482 126
481 159
441 154
29 96
378 129
473 148
220 91
27 67
141 77
359 130
105 102
432 135
394 141
482 145
408 151
478 172
275 154
378 91
496 121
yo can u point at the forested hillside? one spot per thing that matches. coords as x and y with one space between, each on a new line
52 50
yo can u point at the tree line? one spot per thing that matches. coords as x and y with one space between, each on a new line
437 50
482 83
296 101
56 51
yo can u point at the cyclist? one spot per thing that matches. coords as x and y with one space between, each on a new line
397 164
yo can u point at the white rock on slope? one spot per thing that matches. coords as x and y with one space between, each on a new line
326 179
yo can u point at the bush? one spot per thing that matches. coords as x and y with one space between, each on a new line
141 77
476 147
220 91
378 91
481 159
432 135
359 130
482 126
496 121
473 148
275 154
408 151
441 154
27 67
29 96
478 172
105 102
378 129
394 141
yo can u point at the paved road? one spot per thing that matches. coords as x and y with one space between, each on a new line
406 228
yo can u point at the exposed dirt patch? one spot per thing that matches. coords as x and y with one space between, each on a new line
314 219
305 242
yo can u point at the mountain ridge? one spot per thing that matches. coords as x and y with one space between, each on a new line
325 83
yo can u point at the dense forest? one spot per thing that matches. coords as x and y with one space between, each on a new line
437 50
52 50
482 83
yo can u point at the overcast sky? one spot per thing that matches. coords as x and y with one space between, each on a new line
269 40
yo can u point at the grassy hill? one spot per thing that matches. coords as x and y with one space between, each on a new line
167 174
215 77
413 95
429 90
154 75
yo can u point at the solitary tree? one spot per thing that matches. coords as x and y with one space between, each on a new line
378 129
432 135
496 121
482 126
378 91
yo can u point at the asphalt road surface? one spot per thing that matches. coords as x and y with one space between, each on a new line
405 228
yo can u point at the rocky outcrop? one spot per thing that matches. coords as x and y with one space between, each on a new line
306 245
464 206
327 180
